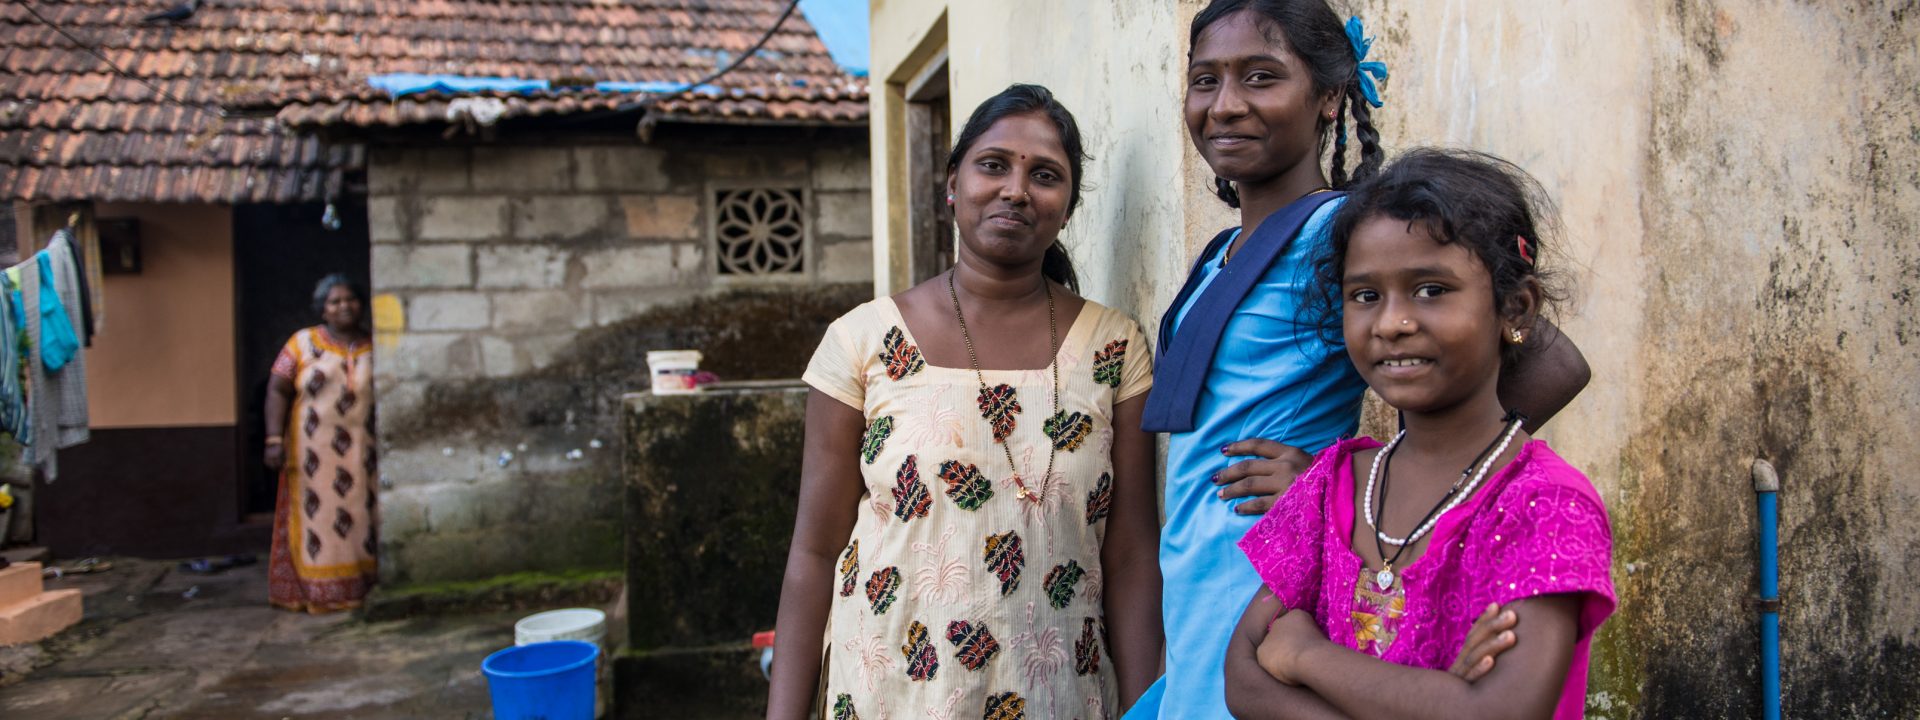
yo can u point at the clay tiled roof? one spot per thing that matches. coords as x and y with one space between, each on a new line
70 128
786 105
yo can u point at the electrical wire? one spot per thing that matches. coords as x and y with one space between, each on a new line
214 111
651 100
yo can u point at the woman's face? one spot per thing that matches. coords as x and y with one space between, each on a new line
342 309
1251 108
1011 190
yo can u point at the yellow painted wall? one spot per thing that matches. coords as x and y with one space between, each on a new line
165 354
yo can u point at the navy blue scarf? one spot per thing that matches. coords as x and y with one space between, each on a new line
1180 368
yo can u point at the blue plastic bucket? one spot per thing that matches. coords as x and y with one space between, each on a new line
542 681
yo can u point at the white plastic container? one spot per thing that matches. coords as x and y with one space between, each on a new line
584 624
673 371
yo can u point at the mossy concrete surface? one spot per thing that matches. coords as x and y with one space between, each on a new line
519 591
501 475
716 683
711 481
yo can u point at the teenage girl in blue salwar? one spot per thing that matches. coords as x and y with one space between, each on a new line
1245 386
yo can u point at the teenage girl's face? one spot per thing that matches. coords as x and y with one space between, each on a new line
1011 190
1251 107
1419 316
342 309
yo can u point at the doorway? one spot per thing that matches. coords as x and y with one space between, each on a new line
929 139
280 252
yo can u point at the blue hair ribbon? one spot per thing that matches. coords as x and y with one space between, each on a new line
1367 70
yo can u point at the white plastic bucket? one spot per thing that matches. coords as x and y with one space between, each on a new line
584 624
673 371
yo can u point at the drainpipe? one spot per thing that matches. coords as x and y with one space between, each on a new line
1766 488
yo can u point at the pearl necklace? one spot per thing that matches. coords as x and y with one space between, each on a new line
1460 494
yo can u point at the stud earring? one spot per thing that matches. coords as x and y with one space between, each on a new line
949 198
1516 337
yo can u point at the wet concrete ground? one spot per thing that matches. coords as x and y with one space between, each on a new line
158 642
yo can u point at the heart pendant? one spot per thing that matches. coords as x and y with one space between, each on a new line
1384 578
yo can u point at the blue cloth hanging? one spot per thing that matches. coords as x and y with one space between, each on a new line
58 341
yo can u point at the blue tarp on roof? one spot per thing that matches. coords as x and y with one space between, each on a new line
651 86
398 84
842 26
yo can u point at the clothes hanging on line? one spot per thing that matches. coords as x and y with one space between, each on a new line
13 348
88 322
56 369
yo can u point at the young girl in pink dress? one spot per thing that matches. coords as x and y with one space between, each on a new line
1378 559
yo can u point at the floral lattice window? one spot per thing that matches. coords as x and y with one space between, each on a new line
760 231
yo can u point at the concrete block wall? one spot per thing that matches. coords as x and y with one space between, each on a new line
501 259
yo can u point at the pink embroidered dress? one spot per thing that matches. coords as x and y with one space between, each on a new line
1535 528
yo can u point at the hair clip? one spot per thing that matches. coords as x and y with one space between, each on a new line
1521 240
1366 72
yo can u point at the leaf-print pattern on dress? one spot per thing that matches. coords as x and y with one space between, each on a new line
965 485
1005 558
1068 430
910 497
843 708
1000 406
1107 363
973 644
1086 650
900 357
922 662
1005 706
1100 499
1061 583
882 588
876 438
850 568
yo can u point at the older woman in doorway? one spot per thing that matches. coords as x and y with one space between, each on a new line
323 555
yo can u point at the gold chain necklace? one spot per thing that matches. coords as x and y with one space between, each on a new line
989 400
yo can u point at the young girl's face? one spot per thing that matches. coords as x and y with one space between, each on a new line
1418 316
1251 108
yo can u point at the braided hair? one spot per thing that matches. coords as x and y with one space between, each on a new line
1315 34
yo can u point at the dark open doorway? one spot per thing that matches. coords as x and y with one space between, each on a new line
280 252
929 134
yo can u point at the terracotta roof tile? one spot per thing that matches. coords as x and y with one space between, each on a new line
72 129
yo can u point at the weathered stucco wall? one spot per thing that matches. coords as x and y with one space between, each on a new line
517 290
1740 191
1129 239
1739 188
